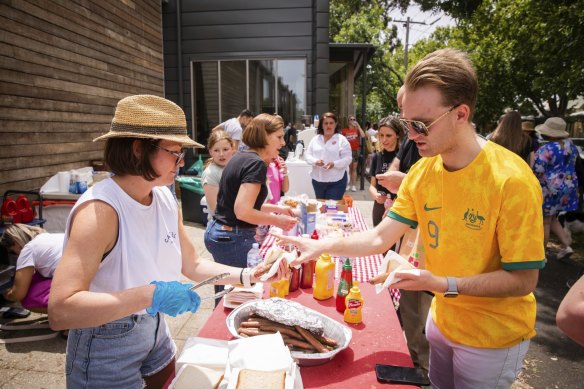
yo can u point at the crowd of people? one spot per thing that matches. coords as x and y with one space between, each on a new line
468 314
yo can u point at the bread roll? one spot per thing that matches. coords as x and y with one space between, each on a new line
254 379
201 377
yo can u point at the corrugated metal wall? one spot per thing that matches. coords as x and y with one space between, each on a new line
244 29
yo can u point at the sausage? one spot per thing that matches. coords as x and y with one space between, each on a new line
250 324
282 329
328 341
311 339
298 344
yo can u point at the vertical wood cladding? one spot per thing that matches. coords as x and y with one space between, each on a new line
64 64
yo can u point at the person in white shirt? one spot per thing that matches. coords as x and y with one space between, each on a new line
330 154
235 126
38 253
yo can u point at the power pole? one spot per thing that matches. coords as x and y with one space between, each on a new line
407 23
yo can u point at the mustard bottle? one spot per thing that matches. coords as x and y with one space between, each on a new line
279 288
354 303
324 283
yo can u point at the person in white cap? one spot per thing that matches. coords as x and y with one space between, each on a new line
125 249
555 168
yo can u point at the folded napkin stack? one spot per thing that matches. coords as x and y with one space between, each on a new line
240 295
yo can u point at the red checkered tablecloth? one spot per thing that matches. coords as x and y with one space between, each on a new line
364 268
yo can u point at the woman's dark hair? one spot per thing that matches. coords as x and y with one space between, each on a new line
327 115
120 159
396 125
509 133
256 132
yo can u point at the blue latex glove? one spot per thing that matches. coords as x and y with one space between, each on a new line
173 298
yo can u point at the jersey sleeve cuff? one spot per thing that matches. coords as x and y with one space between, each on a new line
401 219
526 265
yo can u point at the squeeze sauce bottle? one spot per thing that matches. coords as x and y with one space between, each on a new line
345 283
324 283
354 303
307 272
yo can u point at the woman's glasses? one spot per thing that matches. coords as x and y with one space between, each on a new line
420 127
179 156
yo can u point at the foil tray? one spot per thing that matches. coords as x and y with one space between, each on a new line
332 329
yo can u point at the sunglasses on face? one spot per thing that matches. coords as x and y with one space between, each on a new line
179 156
420 127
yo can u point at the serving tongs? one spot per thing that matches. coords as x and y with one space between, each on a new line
212 280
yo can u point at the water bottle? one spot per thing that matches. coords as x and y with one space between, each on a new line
316 121
253 256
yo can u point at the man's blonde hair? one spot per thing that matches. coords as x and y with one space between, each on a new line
451 72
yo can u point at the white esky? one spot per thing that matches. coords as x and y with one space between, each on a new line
419 31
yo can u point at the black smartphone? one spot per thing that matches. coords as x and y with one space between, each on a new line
400 374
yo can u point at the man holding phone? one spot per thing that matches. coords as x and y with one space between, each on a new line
478 207
354 134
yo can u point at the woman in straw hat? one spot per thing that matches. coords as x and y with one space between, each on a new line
125 248
555 168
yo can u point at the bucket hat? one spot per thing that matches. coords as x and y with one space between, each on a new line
150 117
553 127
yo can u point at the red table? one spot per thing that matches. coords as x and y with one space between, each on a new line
379 339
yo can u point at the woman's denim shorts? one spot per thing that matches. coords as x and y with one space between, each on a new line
118 354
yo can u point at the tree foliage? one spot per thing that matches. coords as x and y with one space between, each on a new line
528 53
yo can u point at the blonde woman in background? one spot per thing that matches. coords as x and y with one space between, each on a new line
221 148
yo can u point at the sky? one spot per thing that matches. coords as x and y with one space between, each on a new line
419 31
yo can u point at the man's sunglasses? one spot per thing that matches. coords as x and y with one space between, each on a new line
179 156
420 127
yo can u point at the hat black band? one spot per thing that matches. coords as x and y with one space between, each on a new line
148 130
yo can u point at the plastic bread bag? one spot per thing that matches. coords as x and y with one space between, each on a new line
275 255
391 263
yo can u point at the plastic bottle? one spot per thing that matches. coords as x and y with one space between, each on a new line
295 278
253 255
279 288
199 166
345 283
324 282
73 182
316 121
307 272
354 303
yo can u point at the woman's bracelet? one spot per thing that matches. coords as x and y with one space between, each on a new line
246 277
241 276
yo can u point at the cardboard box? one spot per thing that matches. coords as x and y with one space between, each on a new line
340 204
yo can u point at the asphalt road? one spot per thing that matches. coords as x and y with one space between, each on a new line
553 359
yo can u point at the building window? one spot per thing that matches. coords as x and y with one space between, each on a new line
221 89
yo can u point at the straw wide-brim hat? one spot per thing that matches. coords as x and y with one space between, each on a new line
527 126
149 117
553 127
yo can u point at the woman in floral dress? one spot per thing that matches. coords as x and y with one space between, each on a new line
555 168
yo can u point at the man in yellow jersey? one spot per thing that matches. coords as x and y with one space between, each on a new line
478 207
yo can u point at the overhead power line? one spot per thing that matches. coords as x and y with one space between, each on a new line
407 23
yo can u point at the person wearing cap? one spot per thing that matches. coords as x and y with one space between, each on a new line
125 249
478 208
555 168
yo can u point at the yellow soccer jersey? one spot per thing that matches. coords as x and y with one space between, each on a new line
484 217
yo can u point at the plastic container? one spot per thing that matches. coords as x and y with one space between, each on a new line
345 283
296 274
191 194
324 281
253 255
354 302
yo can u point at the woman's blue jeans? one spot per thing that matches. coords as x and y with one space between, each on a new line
229 247
330 190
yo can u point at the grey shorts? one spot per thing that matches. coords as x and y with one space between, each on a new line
118 354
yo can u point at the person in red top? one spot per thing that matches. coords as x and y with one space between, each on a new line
353 133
